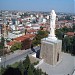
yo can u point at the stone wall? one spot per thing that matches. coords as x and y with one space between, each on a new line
51 51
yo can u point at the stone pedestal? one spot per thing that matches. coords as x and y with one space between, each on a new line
51 51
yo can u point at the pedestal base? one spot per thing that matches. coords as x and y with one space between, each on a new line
51 50
51 37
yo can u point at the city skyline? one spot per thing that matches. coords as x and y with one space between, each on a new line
38 5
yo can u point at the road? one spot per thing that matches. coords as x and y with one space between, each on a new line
16 56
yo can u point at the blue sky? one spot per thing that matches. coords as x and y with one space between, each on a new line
38 5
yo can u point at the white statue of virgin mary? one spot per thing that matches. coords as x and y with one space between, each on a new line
52 25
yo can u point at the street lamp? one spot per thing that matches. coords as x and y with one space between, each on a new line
4 55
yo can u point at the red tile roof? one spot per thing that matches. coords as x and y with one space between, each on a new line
22 38
11 43
70 33
27 26
31 30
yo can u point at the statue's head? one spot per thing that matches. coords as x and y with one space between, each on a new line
53 12
52 15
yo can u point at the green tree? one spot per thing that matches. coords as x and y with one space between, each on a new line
45 73
68 17
32 67
65 29
2 70
39 72
73 27
16 46
2 43
24 68
73 50
59 34
30 71
21 67
67 44
26 62
41 28
36 72
40 34
2 46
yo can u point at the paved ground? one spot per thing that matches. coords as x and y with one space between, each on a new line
16 56
64 68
